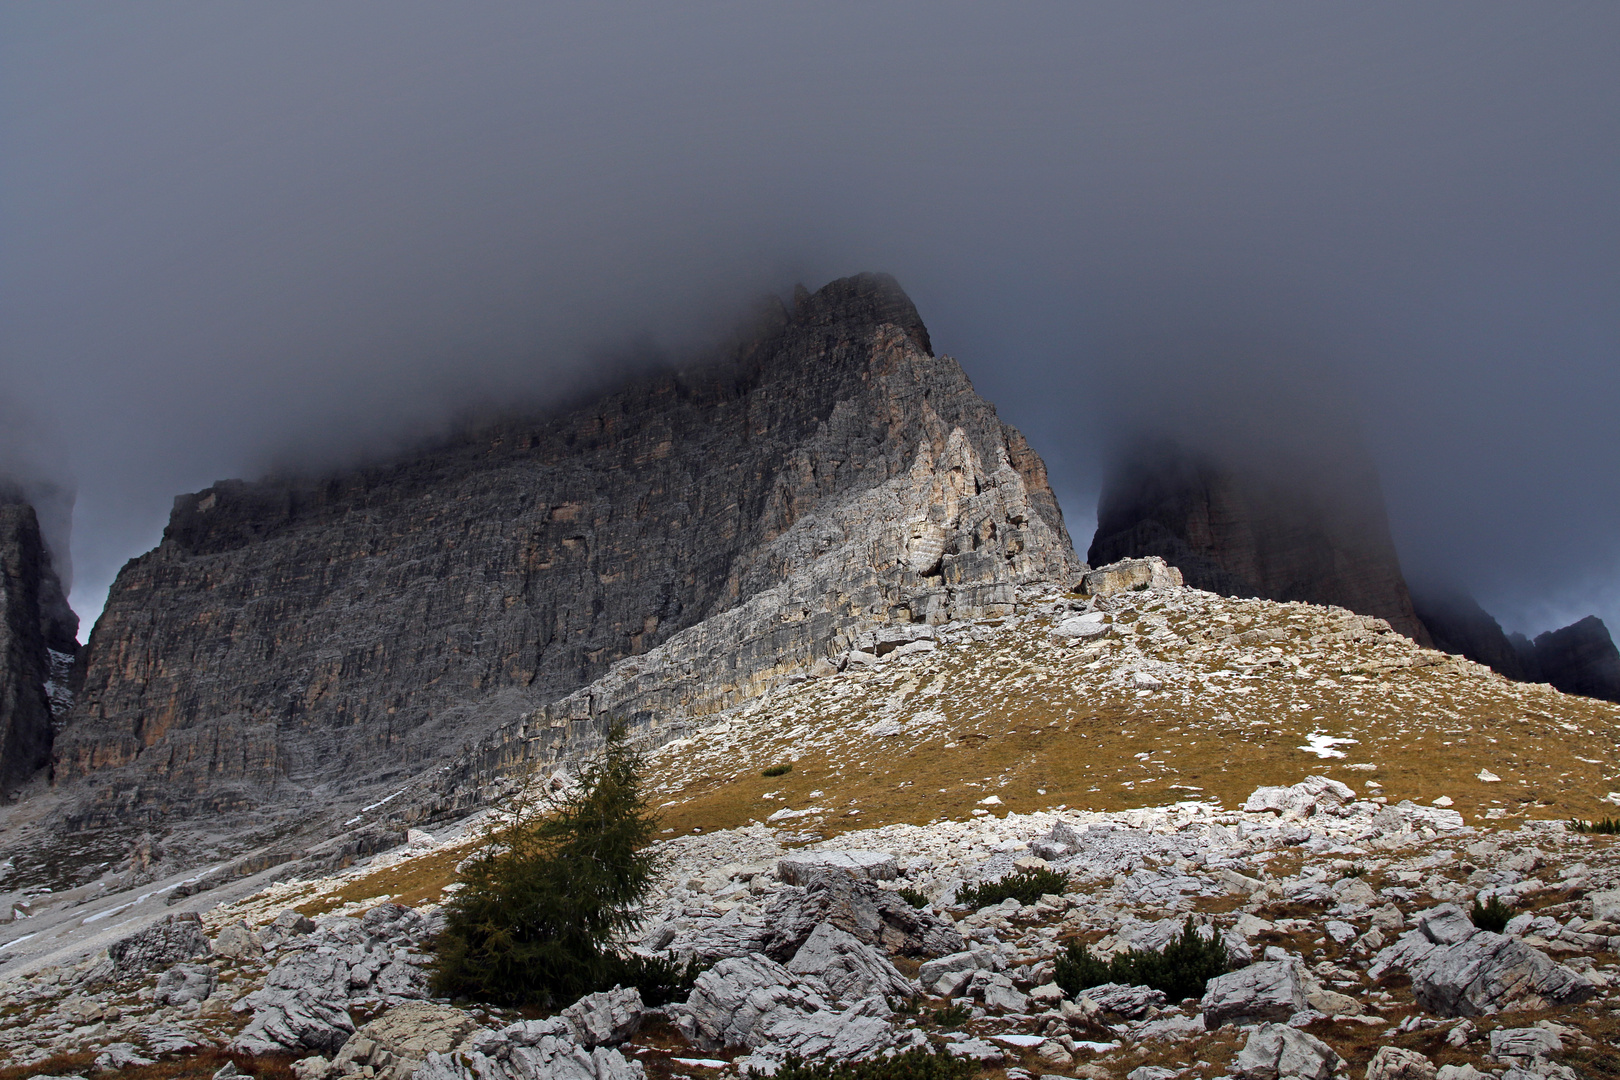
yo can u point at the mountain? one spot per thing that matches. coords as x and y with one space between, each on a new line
37 641
1578 659
300 646
1461 627
1247 530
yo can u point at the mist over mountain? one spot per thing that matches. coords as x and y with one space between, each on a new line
241 240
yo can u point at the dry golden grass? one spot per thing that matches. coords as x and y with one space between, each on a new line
200 1065
413 882
1041 725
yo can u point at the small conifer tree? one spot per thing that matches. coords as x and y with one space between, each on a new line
544 902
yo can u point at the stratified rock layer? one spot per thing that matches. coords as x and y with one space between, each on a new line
1270 533
708 532
34 621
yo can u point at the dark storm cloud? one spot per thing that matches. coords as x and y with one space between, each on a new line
241 236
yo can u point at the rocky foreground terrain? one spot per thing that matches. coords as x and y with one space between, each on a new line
1325 796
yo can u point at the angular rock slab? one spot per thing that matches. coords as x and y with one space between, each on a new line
1491 972
530 1050
859 908
183 984
1128 574
303 1007
171 939
397 1043
1259 992
1131 1002
606 1018
1276 1051
802 867
1395 1063
753 1003
850 969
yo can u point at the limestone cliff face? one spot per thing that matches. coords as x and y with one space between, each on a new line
291 641
1253 532
37 643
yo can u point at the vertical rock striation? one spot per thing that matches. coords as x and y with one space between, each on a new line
37 641
674 546
1247 531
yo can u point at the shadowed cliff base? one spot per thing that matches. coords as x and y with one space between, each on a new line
1273 529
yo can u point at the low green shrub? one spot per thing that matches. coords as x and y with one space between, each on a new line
913 896
935 1064
1180 971
1356 871
1605 826
949 1016
1493 916
1025 886
777 770
661 979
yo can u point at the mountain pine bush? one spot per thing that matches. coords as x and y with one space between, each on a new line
1493 916
546 899
1180 971
1025 886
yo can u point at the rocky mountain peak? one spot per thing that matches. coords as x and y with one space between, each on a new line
299 645
1258 529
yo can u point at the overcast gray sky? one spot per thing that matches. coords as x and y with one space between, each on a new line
237 235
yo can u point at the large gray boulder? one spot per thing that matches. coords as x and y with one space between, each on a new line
303 1007
861 909
169 940
728 1000
1447 924
756 1004
1489 972
1395 1063
397 1043
849 968
1525 1044
529 1050
606 1018
183 984
1128 574
1259 992
1279 1052
1130 1002
945 976
801 867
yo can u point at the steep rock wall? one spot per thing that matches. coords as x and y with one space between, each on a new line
1259 532
37 643
291 643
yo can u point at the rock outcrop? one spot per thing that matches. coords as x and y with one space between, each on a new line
669 550
1244 531
37 641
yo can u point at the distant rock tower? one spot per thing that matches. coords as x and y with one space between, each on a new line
37 641
1279 534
